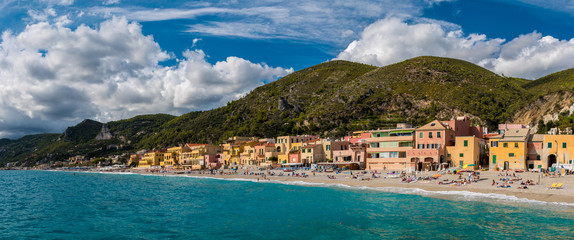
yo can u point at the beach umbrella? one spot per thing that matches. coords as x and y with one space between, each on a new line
468 165
436 175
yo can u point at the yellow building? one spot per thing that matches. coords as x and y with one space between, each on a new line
508 151
193 155
171 157
152 158
557 149
465 151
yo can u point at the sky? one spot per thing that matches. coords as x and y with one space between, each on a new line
62 61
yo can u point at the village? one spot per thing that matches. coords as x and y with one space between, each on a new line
437 145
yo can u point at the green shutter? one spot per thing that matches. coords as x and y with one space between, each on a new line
549 145
421 135
461 155
563 145
493 158
466 143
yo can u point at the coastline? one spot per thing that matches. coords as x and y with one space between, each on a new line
477 191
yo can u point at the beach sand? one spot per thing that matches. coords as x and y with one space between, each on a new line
538 192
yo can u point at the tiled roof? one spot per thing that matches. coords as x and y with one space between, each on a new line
434 125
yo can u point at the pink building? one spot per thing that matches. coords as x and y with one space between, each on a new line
295 156
431 141
360 136
355 156
261 149
213 161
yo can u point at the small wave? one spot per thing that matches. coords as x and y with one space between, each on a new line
453 195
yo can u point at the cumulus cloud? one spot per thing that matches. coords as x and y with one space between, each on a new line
393 40
54 76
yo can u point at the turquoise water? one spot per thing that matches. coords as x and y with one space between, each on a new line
61 205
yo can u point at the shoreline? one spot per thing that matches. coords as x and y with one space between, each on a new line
476 191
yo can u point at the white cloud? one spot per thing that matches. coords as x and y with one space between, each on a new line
53 76
393 40
334 21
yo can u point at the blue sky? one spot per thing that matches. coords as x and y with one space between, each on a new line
62 61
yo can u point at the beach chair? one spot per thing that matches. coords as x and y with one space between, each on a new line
558 186
553 185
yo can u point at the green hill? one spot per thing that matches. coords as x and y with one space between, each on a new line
560 81
336 97
25 149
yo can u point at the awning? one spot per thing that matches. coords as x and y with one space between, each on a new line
291 164
403 131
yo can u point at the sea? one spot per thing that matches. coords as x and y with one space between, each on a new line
79 205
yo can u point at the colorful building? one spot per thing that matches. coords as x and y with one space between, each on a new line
171 157
535 153
312 153
387 149
508 151
557 149
353 157
431 142
152 158
193 155
466 151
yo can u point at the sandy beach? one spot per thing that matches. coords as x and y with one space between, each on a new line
540 191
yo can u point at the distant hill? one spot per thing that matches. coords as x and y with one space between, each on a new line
80 140
24 149
330 99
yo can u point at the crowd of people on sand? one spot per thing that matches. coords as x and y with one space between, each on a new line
506 179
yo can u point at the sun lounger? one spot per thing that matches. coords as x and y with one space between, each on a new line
553 185
558 186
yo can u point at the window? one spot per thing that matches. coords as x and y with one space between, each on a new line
461 155
328 147
549 145
461 163
511 154
505 145
493 158
515 145
420 135
530 166
404 155
563 145
430 134
393 154
537 157
438 134
466 143
448 155
494 144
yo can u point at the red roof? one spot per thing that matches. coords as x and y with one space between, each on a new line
313 140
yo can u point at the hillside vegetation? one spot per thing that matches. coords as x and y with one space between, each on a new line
336 97
560 81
